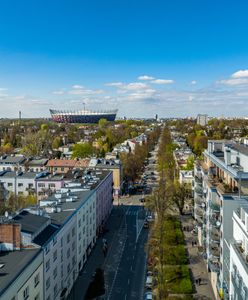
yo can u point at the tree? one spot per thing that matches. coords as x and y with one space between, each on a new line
179 193
57 142
44 127
82 150
102 123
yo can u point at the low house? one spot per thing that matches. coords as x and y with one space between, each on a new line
60 166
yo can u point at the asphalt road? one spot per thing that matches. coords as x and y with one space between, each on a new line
129 278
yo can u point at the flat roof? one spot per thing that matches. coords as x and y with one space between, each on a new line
29 222
14 263
45 235
69 208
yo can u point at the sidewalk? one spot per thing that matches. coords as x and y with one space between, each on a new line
96 258
197 264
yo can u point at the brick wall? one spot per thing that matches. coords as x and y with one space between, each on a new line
11 234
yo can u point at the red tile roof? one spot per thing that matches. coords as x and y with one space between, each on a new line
61 163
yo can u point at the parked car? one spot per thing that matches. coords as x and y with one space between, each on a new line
149 280
148 296
146 224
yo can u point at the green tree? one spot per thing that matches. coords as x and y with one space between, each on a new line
57 142
82 150
102 123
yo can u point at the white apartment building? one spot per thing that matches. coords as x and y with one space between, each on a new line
239 255
18 183
220 185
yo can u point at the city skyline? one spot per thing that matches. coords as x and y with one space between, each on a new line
174 59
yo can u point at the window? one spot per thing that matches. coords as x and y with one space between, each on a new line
83 230
36 279
37 297
42 185
20 193
73 260
73 231
47 249
54 240
79 236
20 184
10 184
48 298
55 290
79 223
26 293
68 253
62 271
30 185
61 242
55 272
73 245
61 255
48 265
68 268
51 185
55 255
68 238
48 283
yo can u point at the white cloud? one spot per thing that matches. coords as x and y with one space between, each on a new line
117 84
75 86
135 86
240 74
145 77
234 81
85 92
193 82
162 81
61 92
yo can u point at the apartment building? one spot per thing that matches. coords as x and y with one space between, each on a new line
18 182
63 229
21 269
220 186
239 255
12 162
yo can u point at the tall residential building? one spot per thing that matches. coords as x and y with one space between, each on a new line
239 255
220 186
202 120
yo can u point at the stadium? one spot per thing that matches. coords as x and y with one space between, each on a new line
82 116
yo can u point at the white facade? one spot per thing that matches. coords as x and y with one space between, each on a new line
28 284
239 255
186 177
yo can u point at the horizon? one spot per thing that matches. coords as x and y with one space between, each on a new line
171 59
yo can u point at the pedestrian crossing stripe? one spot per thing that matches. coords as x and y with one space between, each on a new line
131 213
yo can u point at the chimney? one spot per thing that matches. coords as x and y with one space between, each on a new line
10 236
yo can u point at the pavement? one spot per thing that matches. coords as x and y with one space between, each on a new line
124 265
197 263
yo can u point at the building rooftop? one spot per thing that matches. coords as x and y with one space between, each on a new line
30 223
45 235
61 163
8 159
13 264
37 162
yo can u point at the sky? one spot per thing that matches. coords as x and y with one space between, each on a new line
174 58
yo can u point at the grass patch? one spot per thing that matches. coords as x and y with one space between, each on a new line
176 256
178 280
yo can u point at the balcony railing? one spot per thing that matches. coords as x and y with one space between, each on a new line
214 222
199 212
214 206
214 266
242 254
198 190
214 252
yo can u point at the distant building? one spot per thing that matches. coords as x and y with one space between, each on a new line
202 120
12 163
60 166
186 176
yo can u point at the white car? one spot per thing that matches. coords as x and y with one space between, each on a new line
148 296
149 282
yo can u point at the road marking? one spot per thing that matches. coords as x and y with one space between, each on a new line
128 281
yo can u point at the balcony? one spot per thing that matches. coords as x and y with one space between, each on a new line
214 206
198 190
199 212
214 266
243 257
214 252
214 238
198 200
214 222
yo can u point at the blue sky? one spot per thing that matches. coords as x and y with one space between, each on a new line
174 58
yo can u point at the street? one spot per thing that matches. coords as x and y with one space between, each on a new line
125 263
